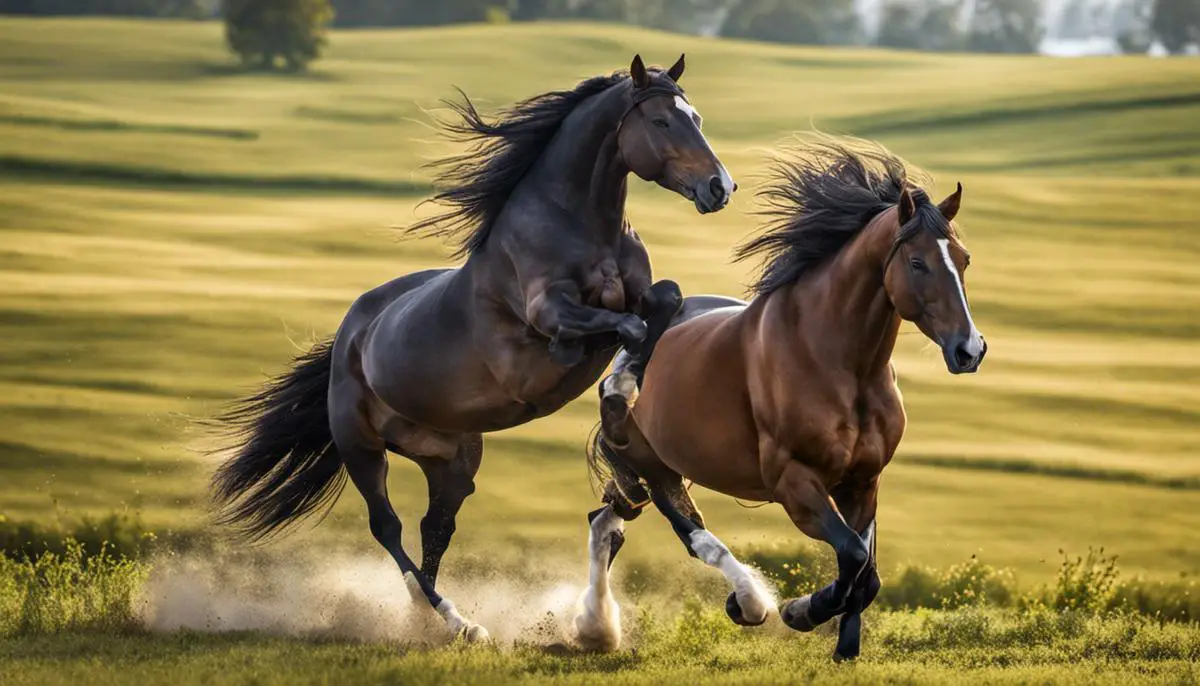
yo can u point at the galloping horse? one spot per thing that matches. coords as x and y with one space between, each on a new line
554 279
790 398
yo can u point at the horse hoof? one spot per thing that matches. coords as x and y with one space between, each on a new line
840 658
474 633
734 610
794 613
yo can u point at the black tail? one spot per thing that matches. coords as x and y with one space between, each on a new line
287 466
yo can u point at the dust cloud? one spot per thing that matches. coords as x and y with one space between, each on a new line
347 597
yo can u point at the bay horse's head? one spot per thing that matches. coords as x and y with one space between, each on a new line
925 278
660 140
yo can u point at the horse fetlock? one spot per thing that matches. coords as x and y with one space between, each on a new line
598 624
460 626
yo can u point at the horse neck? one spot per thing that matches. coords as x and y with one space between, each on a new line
583 164
843 311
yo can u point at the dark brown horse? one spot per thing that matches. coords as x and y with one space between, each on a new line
554 279
790 398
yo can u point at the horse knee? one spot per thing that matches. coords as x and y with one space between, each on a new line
853 555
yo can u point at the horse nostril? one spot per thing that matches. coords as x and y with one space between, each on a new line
717 188
962 357
735 185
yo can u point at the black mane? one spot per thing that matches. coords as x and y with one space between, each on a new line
477 184
821 198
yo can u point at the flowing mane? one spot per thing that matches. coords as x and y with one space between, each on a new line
822 196
477 184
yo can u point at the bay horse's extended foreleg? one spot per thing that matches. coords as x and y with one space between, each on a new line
450 483
559 313
750 601
812 510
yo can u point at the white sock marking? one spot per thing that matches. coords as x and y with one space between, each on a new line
752 595
598 624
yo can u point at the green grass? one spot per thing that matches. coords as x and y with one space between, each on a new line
171 230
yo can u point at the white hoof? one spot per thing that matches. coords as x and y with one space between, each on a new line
474 633
460 626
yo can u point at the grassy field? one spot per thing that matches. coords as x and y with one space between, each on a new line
171 230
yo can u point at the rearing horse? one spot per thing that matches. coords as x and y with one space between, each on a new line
554 279
790 398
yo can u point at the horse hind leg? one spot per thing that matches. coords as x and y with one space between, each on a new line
750 601
598 621
451 482
364 455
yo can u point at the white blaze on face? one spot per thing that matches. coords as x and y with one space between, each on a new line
975 342
686 107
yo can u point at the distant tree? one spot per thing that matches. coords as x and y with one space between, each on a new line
1131 23
264 32
1005 26
135 8
1177 24
818 22
921 25
530 10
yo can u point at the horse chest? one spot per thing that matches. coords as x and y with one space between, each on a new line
854 440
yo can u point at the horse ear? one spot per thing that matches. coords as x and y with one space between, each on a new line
637 71
676 71
907 207
949 206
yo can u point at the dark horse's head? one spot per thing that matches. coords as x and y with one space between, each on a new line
926 277
660 140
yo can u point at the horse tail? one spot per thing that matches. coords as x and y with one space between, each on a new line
286 467
600 469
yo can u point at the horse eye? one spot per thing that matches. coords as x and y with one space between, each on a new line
661 123
918 265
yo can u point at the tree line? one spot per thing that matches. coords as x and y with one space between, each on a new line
289 33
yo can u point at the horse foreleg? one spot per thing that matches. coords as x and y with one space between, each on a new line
559 313
813 512
750 601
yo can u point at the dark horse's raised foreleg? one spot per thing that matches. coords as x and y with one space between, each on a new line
559 313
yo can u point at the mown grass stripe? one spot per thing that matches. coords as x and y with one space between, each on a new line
103 173
1019 466
129 127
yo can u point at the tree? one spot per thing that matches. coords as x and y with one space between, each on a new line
1131 22
820 22
262 32
921 25
1005 26
1177 24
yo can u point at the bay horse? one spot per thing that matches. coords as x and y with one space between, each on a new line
792 397
554 279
